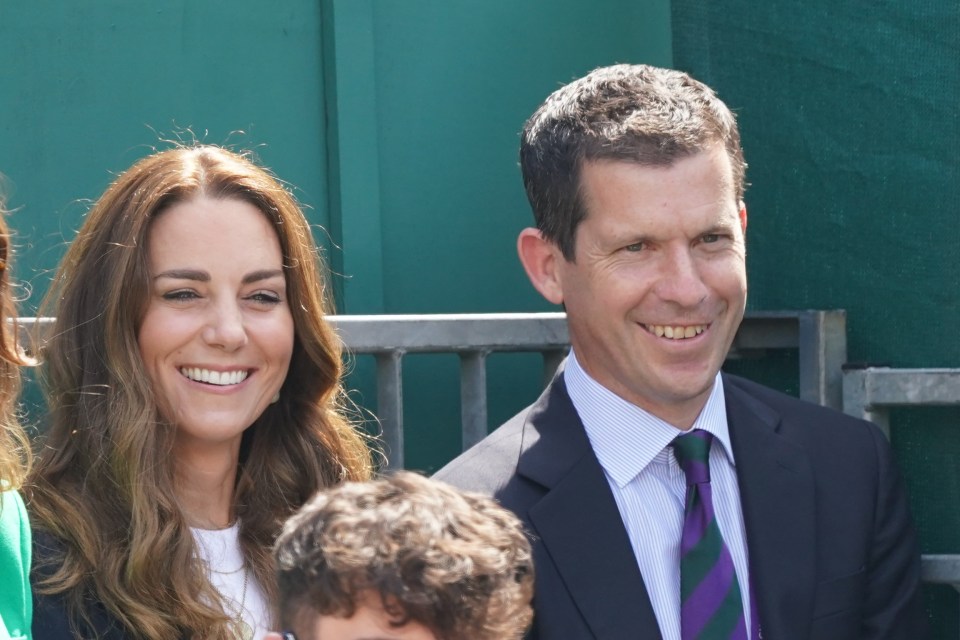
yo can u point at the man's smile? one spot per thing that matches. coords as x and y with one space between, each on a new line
676 332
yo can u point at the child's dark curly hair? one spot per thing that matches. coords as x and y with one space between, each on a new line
455 562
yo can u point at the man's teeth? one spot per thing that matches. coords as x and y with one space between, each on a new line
676 333
221 378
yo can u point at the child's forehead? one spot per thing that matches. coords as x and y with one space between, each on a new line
369 622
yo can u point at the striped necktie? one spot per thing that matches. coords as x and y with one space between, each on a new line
710 603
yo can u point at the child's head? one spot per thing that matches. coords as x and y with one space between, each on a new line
404 557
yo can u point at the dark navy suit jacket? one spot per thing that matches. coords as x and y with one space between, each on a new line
833 554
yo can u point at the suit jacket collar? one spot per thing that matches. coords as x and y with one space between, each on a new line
777 494
581 529
579 523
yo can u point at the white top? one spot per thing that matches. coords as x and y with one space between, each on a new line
227 571
649 486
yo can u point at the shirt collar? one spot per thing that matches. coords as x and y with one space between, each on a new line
626 438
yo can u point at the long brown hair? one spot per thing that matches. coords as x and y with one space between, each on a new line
14 446
104 481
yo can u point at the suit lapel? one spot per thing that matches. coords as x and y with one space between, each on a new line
579 523
777 494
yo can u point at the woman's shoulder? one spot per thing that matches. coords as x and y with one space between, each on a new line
48 552
51 614
50 618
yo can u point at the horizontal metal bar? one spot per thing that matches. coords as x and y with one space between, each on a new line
940 569
535 331
452 332
30 330
782 329
390 337
433 333
882 386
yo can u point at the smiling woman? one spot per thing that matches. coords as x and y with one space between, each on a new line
217 334
195 403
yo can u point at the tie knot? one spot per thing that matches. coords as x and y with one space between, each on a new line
692 451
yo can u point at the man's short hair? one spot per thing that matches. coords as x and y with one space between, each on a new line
453 561
634 113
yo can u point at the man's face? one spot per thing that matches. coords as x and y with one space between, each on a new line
658 287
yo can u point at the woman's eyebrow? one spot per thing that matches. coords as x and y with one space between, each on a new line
202 276
184 274
262 274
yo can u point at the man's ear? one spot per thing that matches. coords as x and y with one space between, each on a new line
743 217
541 260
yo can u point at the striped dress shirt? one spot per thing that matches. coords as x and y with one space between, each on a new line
649 487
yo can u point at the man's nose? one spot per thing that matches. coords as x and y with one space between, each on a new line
681 279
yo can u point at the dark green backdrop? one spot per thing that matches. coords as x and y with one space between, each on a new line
397 122
850 114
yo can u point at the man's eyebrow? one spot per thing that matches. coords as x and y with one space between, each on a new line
720 226
723 223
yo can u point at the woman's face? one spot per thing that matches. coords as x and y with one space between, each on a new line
217 335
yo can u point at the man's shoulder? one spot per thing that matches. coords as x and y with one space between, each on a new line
804 423
489 465
785 404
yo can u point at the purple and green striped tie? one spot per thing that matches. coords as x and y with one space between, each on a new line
711 607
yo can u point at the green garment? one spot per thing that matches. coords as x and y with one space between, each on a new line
16 606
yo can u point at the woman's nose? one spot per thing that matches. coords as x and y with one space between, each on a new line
225 328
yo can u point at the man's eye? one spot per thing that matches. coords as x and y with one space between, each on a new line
710 238
636 246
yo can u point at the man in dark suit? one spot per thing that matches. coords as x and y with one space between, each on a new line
665 499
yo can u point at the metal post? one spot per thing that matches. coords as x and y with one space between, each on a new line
822 337
473 397
390 405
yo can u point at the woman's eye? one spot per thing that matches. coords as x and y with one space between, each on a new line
265 297
180 294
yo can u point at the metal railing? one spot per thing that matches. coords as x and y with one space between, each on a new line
870 393
471 336
819 336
